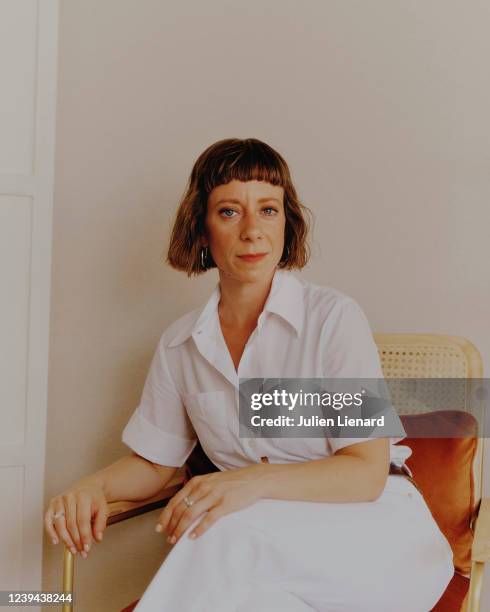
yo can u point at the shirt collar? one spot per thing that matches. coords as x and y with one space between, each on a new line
285 299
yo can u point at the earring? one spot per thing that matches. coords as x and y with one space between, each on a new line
204 257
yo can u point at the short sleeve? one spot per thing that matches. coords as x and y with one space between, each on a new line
159 429
351 352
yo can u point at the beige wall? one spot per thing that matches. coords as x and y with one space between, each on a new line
380 108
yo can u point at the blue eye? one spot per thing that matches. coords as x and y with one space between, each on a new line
226 210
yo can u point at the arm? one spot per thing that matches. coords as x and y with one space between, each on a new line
78 515
355 473
131 478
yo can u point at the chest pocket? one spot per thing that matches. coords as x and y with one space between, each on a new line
210 414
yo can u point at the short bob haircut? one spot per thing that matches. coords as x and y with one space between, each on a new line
224 161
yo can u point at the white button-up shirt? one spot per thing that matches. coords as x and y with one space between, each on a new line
191 391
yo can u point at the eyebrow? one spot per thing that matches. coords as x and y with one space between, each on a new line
235 201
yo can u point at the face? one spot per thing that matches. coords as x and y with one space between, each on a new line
245 218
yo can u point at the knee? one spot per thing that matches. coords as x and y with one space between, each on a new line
226 532
245 521
264 599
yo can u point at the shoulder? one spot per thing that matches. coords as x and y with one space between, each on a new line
333 315
346 340
326 302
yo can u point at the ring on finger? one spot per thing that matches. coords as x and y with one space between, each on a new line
188 501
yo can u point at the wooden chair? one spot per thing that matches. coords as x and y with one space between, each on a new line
402 356
435 461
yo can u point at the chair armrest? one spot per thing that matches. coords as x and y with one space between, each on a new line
122 510
480 551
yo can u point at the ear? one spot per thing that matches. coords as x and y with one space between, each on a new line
203 241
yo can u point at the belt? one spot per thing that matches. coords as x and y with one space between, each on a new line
402 470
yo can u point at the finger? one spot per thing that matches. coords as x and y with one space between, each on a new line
190 515
48 525
174 505
100 521
188 490
71 519
165 517
175 518
59 525
208 521
84 516
195 490
182 510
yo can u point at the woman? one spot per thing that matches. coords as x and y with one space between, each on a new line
286 523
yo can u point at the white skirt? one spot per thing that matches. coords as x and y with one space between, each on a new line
299 556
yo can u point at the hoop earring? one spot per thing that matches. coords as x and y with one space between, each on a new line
204 257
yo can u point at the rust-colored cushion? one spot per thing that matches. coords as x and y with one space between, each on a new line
453 597
442 468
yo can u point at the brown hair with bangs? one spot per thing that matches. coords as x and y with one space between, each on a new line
224 161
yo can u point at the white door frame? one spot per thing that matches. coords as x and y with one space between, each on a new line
28 85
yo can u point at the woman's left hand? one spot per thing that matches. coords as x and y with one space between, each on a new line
218 493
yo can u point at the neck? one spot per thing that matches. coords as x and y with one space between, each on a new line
241 303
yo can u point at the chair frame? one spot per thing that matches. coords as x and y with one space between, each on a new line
463 350
480 552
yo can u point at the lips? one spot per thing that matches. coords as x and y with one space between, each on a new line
252 257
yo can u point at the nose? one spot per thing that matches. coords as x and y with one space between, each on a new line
250 229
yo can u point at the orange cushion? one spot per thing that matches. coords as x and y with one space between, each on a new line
453 597
442 468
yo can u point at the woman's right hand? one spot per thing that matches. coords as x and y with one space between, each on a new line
81 516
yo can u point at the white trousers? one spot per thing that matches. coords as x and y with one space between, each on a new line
297 556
